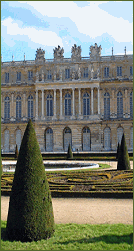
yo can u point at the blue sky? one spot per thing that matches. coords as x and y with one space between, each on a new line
28 25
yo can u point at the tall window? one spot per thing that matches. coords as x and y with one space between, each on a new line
18 76
30 107
49 76
86 104
131 70
6 77
7 108
49 140
131 104
18 138
86 139
85 75
6 141
119 105
18 107
67 138
30 75
119 71
67 104
106 72
106 105
119 134
107 141
49 105
67 73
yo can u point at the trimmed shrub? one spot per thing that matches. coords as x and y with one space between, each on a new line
16 152
123 157
69 153
30 215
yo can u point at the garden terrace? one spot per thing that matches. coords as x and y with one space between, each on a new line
83 183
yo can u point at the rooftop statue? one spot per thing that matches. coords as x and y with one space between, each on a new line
58 52
95 52
40 54
76 52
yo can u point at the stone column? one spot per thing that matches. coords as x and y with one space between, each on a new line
12 110
80 116
92 101
24 107
79 101
24 97
42 116
98 101
61 116
2 107
36 106
54 116
73 115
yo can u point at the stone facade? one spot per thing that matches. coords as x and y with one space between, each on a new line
85 101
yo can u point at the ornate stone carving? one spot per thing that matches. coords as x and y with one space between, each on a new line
60 75
76 52
54 75
40 54
95 52
73 75
58 52
37 76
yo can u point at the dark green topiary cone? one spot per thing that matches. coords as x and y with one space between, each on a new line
69 153
123 157
30 215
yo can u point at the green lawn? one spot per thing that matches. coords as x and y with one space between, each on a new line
78 237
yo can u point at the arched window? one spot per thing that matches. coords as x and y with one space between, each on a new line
67 104
119 105
49 105
86 146
106 105
6 140
119 134
18 138
107 140
67 138
131 138
7 108
131 104
86 104
49 140
30 106
18 107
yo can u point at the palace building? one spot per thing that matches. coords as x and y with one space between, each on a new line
84 101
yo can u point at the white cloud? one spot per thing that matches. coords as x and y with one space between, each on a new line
90 20
37 36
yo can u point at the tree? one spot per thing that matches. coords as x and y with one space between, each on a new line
69 153
118 148
16 152
123 157
30 215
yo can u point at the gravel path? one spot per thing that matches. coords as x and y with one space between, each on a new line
86 210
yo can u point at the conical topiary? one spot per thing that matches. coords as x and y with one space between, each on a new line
123 157
118 148
30 215
69 153
16 152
